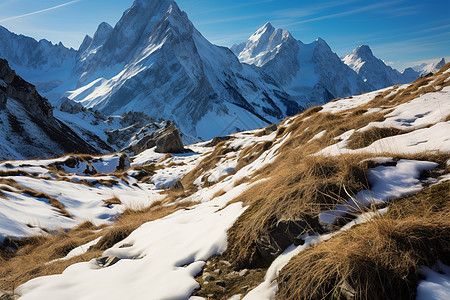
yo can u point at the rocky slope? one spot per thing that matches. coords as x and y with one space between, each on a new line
28 127
311 73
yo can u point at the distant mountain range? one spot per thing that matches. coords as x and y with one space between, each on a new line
155 61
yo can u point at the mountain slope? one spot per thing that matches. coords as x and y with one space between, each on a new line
259 196
425 68
374 71
29 129
168 69
47 66
311 73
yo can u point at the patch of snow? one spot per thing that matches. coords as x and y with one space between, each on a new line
388 182
164 257
436 284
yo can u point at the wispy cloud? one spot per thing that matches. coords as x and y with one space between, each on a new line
230 19
310 10
371 7
39 11
219 9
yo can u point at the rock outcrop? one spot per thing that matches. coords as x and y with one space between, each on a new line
28 127
166 139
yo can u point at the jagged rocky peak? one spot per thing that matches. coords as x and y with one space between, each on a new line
266 40
102 34
363 51
440 64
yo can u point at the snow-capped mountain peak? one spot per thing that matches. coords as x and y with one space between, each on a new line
312 73
262 45
427 68
374 71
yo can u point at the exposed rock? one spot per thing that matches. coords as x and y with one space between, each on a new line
208 277
218 271
170 141
166 140
107 261
30 120
70 106
282 235
178 186
218 140
226 263
221 283
24 92
269 129
243 272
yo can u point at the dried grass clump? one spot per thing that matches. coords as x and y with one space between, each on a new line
207 163
361 139
377 260
297 188
113 201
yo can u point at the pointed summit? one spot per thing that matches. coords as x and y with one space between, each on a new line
440 64
363 51
101 35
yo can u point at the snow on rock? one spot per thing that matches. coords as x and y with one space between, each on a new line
427 68
374 71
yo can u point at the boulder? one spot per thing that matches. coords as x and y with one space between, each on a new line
70 106
170 142
283 234
166 140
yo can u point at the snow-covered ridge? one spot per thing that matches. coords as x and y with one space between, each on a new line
311 73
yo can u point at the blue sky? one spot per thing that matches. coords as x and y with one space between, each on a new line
401 32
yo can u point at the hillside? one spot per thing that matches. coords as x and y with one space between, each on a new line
261 214
28 126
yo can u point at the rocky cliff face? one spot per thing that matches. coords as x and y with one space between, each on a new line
28 128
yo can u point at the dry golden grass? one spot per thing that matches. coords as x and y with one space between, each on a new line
206 164
33 254
365 138
113 201
378 260
298 188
